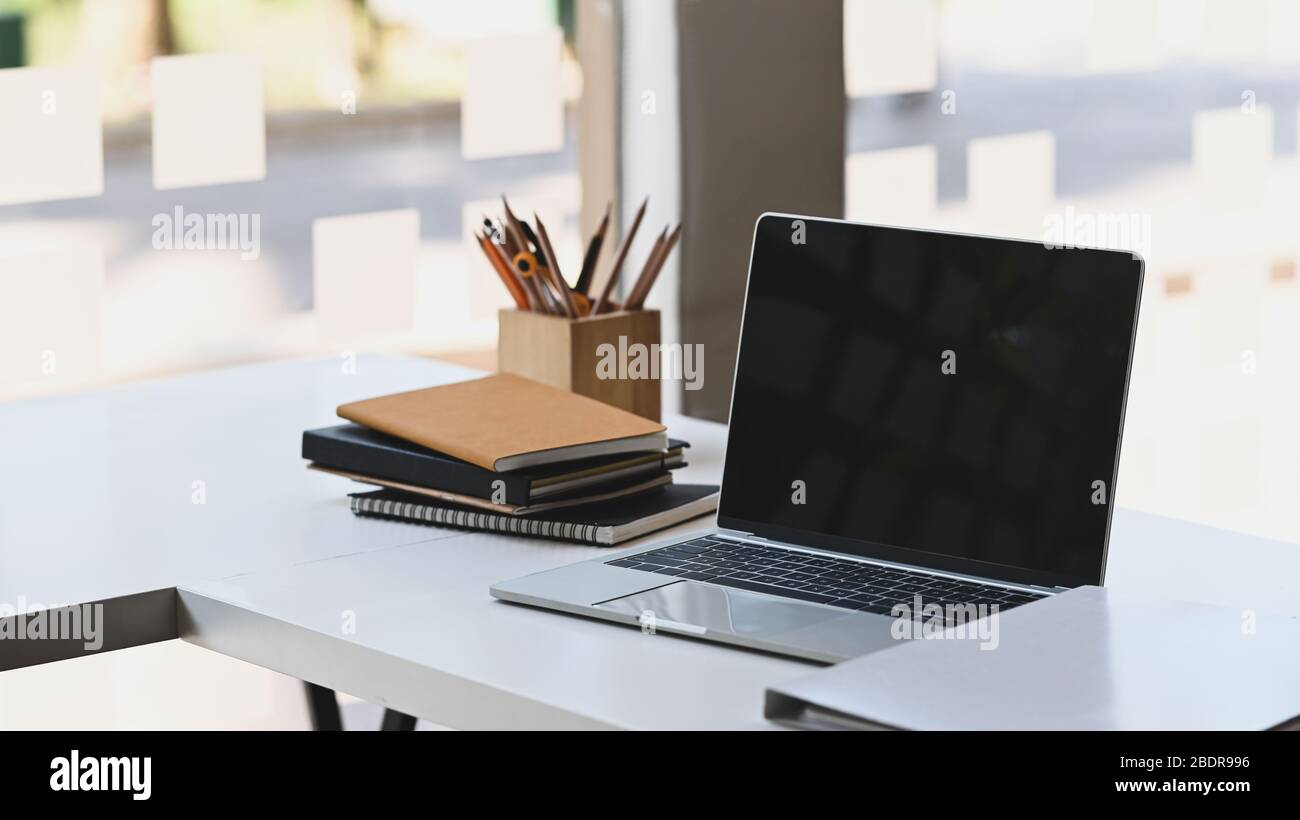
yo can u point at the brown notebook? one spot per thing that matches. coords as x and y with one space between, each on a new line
506 422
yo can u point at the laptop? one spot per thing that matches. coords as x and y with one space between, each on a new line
916 416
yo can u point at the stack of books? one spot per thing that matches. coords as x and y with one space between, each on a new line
508 454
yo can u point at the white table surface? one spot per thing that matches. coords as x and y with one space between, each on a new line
96 504
97 490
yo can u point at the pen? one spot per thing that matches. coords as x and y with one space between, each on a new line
593 254
531 236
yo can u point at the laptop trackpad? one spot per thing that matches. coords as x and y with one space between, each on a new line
719 609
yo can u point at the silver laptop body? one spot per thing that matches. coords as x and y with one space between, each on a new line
1006 536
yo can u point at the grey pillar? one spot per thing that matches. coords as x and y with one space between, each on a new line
763 114
749 117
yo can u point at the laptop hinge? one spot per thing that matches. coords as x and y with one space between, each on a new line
739 534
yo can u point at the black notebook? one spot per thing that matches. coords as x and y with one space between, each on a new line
602 524
352 448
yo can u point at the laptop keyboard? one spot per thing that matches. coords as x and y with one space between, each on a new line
818 578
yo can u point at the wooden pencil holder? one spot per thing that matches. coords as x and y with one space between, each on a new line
567 353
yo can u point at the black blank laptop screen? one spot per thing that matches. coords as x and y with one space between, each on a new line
955 395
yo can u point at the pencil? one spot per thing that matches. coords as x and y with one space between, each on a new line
642 289
524 260
608 290
504 251
517 291
647 266
543 277
593 254
570 307
514 229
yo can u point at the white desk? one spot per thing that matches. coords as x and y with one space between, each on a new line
97 491
96 504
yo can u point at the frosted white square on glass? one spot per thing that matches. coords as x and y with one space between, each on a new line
1232 31
51 311
1230 465
1283 31
1232 300
890 46
1124 35
513 101
898 186
209 127
51 140
363 271
1011 174
1232 150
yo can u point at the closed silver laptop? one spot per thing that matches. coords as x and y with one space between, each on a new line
925 428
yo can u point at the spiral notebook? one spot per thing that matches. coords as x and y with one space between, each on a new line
601 524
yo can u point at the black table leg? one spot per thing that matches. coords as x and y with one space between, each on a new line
395 721
323 708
